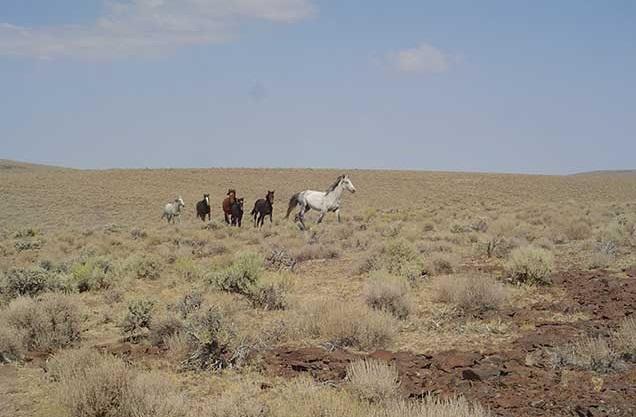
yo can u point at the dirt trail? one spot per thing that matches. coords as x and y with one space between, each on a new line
516 380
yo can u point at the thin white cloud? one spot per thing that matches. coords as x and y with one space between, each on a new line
131 27
424 58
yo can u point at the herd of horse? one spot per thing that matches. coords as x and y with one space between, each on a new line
321 201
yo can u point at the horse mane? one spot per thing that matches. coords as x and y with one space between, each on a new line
335 184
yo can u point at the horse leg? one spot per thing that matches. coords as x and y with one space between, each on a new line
338 214
322 214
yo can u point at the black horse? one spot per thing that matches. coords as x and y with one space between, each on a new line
237 212
203 207
263 207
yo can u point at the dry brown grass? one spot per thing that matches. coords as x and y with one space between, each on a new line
102 242
372 380
471 293
388 293
97 385
529 264
347 324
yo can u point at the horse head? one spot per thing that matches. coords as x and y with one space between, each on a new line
346 182
179 202
270 197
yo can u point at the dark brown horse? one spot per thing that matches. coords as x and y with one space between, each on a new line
228 203
237 212
263 207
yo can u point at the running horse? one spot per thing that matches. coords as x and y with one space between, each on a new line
228 203
322 201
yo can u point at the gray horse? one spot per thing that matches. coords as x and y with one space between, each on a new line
172 210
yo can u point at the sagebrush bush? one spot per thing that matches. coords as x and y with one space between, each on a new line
269 296
347 324
92 273
138 317
372 380
389 293
12 344
208 339
241 276
147 267
471 293
163 328
529 264
443 263
398 257
29 282
49 322
577 230
189 303
90 384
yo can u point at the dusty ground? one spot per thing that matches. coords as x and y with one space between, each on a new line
496 357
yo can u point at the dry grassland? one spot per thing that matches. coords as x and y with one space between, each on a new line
105 310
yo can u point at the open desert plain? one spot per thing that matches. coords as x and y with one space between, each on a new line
438 294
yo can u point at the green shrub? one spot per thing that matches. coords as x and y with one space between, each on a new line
398 257
241 276
138 317
49 322
92 273
529 264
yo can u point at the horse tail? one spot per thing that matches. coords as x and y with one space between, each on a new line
293 202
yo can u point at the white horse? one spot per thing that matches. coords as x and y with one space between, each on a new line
321 201
172 210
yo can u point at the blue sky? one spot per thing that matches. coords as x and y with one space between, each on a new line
498 86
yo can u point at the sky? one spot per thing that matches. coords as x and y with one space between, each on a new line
492 86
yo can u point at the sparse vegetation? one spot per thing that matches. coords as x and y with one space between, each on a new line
241 276
372 380
472 293
138 317
28 282
49 322
262 306
388 293
529 264
90 384
347 324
